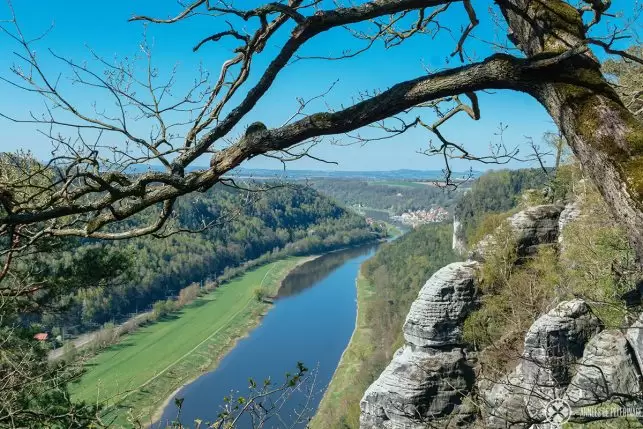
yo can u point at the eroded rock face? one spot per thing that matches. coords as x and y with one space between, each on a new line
570 213
418 385
532 227
566 353
553 344
436 316
634 335
458 244
607 371
430 374
558 338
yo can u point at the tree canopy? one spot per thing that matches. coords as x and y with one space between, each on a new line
93 188
85 186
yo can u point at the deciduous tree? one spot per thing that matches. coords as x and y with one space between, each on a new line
89 193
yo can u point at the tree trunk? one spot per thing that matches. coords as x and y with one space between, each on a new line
608 141
602 132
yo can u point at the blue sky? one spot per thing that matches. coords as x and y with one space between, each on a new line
81 24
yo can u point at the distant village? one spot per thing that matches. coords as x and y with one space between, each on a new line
421 217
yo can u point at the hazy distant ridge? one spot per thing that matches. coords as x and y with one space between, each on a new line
260 173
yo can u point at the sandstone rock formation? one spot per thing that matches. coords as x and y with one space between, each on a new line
420 384
553 344
606 372
458 245
436 316
566 355
531 227
430 374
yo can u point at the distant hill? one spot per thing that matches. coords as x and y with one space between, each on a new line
394 196
369 175
264 173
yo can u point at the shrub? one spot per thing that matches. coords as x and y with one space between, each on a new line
500 259
188 294
163 308
488 225
132 325
514 296
567 181
261 293
599 264
533 197
69 352
106 336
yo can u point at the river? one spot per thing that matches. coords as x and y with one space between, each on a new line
311 321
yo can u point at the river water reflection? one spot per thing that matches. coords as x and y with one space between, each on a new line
311 322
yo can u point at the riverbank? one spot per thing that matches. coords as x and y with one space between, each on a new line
340 404
134 378
387 285
311 322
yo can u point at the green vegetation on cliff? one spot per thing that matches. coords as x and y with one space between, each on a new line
494 193
593 262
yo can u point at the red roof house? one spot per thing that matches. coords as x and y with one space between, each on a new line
42 336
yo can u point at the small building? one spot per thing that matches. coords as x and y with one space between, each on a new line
41 336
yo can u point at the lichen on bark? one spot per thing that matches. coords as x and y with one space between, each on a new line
603 134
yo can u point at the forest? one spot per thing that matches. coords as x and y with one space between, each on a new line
289 220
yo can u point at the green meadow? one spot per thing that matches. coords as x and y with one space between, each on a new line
133 378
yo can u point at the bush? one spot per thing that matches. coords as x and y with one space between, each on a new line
105 337
133 324
599 264
188 294
69 352
261 293
567 180
514 296
501 256
161 309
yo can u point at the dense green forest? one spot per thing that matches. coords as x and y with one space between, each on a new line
291 220
495 192
394 196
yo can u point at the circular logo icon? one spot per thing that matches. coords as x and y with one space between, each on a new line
558 411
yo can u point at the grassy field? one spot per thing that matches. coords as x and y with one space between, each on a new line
340 406
134 377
